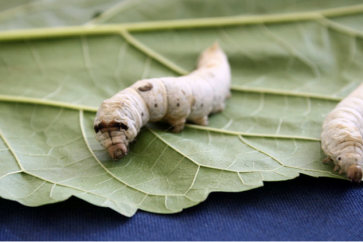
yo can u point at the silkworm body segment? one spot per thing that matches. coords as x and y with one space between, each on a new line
341 138
172 99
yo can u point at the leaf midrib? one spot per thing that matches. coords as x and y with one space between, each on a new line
319 16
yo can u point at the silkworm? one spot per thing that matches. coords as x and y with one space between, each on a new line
172 99
341 137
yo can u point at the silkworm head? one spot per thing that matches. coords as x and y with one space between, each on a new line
354 173
113 137
351 163
114 130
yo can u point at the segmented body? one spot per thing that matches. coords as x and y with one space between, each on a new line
341 138
172 99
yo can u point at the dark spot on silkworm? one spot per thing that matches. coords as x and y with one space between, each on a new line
156 105
102 125
110 125
145 88
201 105
142 114
339 158
177 104
123 126
183 92
99 127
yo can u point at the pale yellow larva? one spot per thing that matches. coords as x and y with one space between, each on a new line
341 138
172 99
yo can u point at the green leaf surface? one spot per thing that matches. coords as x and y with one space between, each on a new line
292 61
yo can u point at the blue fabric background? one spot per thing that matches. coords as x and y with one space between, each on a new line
305 208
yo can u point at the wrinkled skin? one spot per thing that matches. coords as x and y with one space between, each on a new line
341 138
172 99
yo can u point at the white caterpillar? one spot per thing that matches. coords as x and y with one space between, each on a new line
341 139
172 99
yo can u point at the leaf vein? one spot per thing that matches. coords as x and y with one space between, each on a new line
11 150
151 53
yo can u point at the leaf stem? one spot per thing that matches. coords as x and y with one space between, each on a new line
143 48
340 28
286 93
261 151
178 24
12 151
8 98
207 128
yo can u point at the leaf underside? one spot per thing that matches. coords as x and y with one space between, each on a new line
287 75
